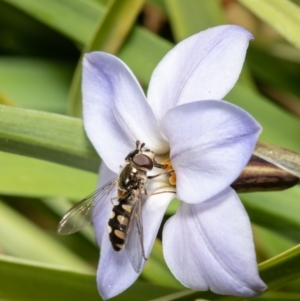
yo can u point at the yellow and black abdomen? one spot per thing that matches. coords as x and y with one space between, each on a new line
119 221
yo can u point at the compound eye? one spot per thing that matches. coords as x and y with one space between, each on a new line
131 155
143 161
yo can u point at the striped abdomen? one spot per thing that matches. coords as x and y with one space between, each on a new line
120 219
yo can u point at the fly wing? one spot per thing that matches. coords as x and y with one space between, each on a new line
134 244
83 213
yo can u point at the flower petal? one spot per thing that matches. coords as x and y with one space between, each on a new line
115 110
204 66
210 246
115 272
210 150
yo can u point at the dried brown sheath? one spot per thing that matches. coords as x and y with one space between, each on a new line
260 175
279 156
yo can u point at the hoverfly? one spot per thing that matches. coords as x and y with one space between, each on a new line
125 227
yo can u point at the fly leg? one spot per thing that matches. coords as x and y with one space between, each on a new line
158 165
165 191
168 173
141 187
161 166
113 201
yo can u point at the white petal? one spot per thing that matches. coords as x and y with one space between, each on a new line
210 246
115 272
211 142
115 110
204 66
105 175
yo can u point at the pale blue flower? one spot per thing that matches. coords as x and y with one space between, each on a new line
208 243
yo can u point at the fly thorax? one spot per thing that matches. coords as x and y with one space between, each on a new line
127 177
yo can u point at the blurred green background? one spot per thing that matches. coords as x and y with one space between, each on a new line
47 163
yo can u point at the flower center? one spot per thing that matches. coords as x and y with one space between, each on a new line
170 169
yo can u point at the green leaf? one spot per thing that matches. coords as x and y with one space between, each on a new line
35 83
109 35
46 136
268 115
188 17
279 296
36 178
282 15
116 22
273 71
156 270
269 243
4 100
21 238
27 281
74 19
281 269
142 50
277 211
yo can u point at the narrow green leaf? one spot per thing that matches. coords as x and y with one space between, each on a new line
268 114
109 35
274 71
142 50
27 281
281 269
270 243
116 22
46 136
35 83
269 296
75 19
279 296
277 211
283 15
188 17
4 100
156 270
36 178
21 238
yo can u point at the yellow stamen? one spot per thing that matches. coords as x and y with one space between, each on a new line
169 168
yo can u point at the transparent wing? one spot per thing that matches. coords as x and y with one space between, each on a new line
83 213
134 244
